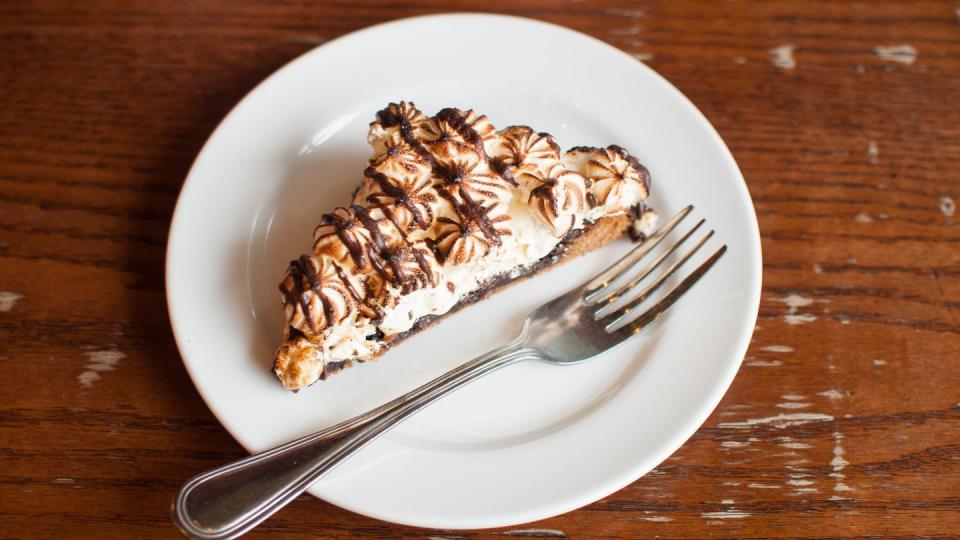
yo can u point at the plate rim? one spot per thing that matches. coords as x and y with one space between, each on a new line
572 501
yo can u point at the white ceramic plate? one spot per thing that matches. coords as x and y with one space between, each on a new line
526 443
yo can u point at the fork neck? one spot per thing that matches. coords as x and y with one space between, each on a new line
502 356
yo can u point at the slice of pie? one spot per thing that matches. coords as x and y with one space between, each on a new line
449 210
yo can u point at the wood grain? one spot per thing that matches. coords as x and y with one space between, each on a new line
843 421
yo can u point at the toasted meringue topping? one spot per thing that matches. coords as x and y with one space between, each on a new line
447 203
299 363
318 293
342 236
414 267
448 134
471 231
559 197
524 148
619 181
408 202
387 129
480 124
468 171
400 159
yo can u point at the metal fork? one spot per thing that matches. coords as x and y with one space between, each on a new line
577 326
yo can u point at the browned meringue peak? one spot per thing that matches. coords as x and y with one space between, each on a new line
385 130
412 266
398 159
409 202
618 179
299 363
522 147
478 123
557 195
452 130
471 230
319 293
342 236
405 267
468 170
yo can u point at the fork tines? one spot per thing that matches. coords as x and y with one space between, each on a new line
626 317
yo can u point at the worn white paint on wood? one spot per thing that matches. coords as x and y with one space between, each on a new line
764 363
873 152
782 56
947 206
781 421
550 533
794 302
100 361
8 300
902 53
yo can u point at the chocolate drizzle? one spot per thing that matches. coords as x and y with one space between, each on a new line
500 167
341 225
393 257
363 215
472 212
458 123
373 255
299 269
295 294
388 118
427 202
591 199
456 120
427 276
343 277
544 189
432 245
388 212
401 196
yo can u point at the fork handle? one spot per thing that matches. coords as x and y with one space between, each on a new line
230 500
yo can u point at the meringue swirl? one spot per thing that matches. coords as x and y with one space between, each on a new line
479 123
342 236
387 129
400 159
409 202
559 198
317 294
524 148
472 231
447 203
618 179
468 171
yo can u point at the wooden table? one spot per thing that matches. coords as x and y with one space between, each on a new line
845 118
